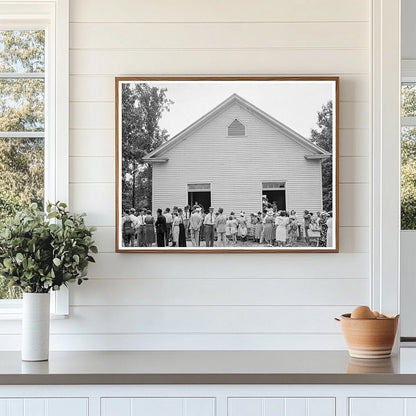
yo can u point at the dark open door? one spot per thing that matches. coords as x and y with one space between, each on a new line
278 196
203 198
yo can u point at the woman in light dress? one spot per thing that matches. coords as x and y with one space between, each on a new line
268 227
281 223
242 226
292 230
175 229
258 228
329 232
233 228
293 218
228 226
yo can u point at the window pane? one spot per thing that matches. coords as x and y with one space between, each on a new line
9 292
21 182
22 105
273 185
409 99
408 178
22 50
21 173
199 186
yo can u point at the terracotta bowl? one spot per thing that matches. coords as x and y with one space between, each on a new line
369 366
369 338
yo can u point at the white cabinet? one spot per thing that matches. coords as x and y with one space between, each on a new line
281 406
208 400
377 406
159 406
44 407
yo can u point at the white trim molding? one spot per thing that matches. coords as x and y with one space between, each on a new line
385 115
53 15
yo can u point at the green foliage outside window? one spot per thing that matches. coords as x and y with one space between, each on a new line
21 110
408 160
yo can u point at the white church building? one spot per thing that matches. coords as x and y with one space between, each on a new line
233 156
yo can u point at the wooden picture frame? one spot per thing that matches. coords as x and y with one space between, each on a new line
251 161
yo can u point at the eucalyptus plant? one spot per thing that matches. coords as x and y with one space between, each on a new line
43 251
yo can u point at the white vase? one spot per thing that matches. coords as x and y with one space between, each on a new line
35 326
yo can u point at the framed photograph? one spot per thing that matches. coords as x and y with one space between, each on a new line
226 164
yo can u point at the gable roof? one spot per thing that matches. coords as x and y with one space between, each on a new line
157 154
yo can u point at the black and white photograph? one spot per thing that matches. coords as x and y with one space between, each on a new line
227 164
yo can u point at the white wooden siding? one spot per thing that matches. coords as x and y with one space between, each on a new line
236 166
264 301
218 11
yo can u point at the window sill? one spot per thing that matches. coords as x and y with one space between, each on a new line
12 315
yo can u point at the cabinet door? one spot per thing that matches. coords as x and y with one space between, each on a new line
160 406
254 406
44 407
377 406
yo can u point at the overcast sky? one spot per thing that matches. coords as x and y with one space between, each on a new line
294 103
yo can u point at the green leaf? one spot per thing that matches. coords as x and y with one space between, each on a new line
94 249
69 223
57 262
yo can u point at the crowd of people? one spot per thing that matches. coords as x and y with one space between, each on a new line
193 226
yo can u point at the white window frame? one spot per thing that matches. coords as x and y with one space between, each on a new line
53 17
407 308
385 157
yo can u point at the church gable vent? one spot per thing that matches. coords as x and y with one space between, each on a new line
236 128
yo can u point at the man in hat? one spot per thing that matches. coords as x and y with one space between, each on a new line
209 223
169 221
220 225
195 223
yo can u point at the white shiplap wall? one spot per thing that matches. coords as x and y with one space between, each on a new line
222 301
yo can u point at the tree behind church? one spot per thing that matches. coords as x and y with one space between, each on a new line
322 136
142 109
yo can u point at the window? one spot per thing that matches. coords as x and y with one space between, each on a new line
236 128
408 155
33 162
22 124
201 187
273 185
